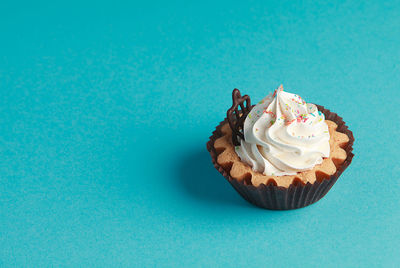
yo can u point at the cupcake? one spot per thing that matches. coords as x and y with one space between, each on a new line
281 153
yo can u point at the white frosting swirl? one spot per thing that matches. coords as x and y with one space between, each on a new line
284 135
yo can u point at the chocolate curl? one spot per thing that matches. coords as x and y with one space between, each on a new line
237 117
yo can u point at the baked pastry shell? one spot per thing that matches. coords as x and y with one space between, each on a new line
297 195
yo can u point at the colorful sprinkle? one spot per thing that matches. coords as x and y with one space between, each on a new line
270 112
289 122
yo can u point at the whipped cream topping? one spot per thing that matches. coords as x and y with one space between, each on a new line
284 135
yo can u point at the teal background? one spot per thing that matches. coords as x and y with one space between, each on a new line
106 107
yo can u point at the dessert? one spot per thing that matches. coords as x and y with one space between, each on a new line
282 153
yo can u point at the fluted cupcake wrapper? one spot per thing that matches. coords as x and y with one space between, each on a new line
297 195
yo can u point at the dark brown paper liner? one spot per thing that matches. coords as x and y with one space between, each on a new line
296 195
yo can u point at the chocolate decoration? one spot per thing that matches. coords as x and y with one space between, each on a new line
235 117
296 195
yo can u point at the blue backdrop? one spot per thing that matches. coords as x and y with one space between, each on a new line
105 110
